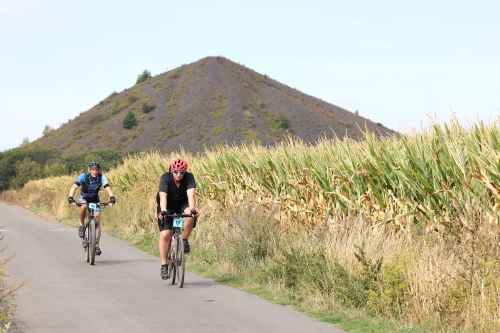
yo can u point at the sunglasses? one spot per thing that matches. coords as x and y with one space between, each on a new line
179 172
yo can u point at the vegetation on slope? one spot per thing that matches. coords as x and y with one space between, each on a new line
404 228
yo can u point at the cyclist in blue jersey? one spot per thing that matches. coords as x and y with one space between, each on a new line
91 183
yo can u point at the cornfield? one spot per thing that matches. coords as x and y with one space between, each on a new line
413 218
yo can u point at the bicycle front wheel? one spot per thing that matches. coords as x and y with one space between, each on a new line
181 261
92 240
172 268
86 242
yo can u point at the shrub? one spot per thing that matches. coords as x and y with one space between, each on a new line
47 129
115 108
173 73
260 104
283 122
146 107
129 121
113 94
218 130
146 75
96 119
131 99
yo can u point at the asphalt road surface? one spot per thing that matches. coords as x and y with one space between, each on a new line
123 291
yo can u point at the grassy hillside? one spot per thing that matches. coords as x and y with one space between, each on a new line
211 102
382 235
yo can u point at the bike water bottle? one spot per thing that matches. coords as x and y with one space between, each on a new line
173 241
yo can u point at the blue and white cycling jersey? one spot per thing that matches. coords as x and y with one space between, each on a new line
93 186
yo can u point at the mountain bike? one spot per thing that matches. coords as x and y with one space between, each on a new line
89 239
176 258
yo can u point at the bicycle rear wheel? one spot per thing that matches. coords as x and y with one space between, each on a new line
181 261
92 240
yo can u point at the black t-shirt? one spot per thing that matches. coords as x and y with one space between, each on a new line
175 195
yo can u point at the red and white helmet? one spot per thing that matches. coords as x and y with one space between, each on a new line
179 165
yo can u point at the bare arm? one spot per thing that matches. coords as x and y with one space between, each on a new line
163 201
73 190
191 198
110 192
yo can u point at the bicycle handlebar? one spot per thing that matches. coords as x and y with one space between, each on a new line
180 215
79 204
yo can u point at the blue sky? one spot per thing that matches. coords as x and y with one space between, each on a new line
396 62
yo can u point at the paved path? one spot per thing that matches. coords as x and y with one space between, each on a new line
123 291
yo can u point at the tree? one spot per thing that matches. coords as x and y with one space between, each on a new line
26 170
54 170
146 75
47 129
25 142
129 121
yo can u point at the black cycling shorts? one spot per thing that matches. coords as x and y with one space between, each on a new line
168 222
94 199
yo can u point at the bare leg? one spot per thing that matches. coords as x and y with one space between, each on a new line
83 211
188 224
164 244
98 218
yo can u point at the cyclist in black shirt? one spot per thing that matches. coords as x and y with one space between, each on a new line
176 195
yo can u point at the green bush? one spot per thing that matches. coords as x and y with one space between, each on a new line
146 75
260 104
130 99
115 108
146 107
218 130
391 295
282 122
173 73
129 121
96 119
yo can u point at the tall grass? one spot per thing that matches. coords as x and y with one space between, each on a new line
405 227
